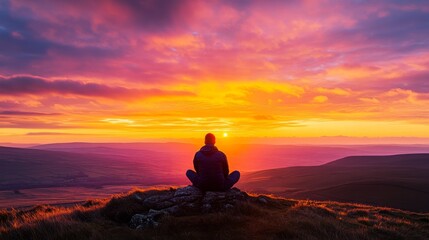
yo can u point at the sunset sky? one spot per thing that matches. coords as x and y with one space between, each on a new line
116 70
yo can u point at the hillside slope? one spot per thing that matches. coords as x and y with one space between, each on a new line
415 160
250 217
399 181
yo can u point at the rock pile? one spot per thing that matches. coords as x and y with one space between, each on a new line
184 201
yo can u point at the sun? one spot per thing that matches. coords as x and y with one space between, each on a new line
225 134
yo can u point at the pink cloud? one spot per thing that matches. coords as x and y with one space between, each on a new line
19 85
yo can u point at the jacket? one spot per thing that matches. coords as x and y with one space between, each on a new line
212 168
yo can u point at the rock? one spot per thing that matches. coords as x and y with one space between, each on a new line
156 214
185 201
187 194
173 210
142 221
228 206
137 197
157 198
190 205
137 220
262 199
235 193
210 197
187 191
206 208
159 201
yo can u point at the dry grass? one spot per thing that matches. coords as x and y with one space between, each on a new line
277 219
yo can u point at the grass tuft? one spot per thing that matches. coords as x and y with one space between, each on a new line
269 218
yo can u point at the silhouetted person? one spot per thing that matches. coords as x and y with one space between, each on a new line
211 166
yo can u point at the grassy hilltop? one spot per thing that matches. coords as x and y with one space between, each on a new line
258 217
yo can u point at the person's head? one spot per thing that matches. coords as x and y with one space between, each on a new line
210 139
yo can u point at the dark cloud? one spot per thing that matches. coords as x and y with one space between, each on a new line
17 51
399 25
19 85
240 4
397 32
416 82
20 113
148 15
23 42
158 15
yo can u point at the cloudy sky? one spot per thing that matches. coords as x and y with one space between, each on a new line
150 69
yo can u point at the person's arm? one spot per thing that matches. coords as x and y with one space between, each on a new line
225 166
196 163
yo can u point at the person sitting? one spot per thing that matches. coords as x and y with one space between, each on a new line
211 168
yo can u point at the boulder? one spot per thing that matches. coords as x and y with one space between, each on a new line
188 191
150 219
185 201
160 201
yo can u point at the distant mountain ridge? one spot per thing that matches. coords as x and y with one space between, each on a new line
245 157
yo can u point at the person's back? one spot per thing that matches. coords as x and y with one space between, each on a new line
211 166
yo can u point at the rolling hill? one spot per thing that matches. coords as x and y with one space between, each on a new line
401 160
399 181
